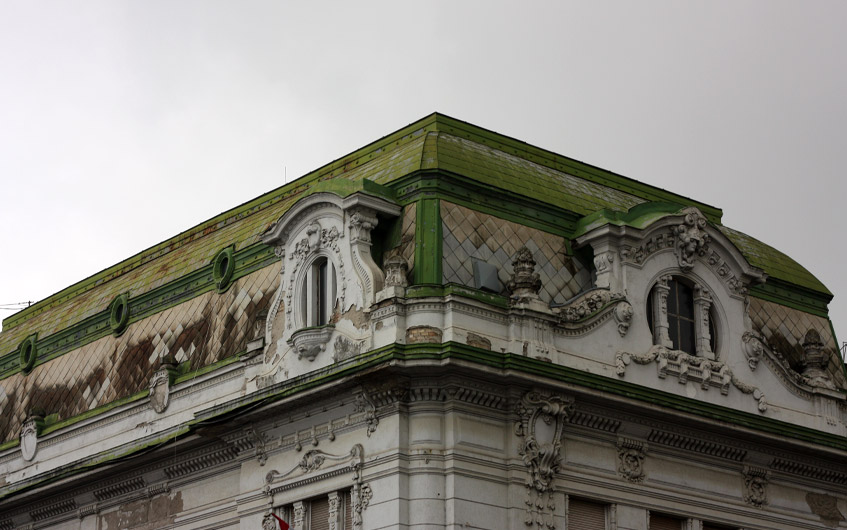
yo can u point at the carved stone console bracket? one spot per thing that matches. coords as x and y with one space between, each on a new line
631 455
309 342
590 308
687 367
365 404
755 486
540 425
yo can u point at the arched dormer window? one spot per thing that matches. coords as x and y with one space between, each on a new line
679 313
318 294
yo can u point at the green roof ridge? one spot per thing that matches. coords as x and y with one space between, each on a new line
434 136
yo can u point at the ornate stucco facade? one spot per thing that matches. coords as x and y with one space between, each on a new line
447 328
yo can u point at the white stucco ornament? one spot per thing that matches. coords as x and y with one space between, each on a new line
160 386
328 282
29 439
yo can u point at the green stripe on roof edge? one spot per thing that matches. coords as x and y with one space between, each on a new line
568 165
391 353
639 216
430 123
340 187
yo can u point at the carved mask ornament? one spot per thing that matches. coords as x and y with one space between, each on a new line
691 238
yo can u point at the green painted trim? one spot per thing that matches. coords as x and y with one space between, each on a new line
106 457
223 265
639 216
119 313
208 368
10 444
97 326
94 412
312 183
484 198
794 296
394 353
428 242
320 178
28 353
430 290
565 164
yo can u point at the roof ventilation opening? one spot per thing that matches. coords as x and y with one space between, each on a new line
485 277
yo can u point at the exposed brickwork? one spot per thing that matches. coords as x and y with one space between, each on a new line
423 334
478 341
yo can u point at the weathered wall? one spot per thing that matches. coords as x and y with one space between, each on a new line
202 331
469 235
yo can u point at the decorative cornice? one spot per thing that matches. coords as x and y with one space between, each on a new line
593 421
697 445
458 357
117 489
794 467
204 461
53 510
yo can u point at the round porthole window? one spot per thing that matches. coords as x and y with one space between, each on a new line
222 268
28 353
119 313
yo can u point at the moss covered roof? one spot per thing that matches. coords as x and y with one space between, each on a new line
434 143
772 261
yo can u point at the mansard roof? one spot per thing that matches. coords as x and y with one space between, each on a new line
435 145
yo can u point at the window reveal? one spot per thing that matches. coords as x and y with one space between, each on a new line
679 313
319 293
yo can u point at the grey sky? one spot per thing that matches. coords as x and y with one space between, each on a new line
124 123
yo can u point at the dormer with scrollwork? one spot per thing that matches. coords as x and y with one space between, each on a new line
328 281
689 287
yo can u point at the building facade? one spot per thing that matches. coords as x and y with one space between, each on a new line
447 328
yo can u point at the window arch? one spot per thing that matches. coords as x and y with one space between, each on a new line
680 315
318 293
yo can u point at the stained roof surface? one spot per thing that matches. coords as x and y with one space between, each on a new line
436 142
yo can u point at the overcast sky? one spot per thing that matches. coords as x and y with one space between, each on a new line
124 123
